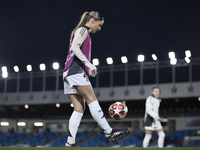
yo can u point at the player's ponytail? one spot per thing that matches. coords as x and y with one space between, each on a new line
86 17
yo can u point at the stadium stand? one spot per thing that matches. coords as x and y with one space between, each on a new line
194 143
41 139
13 138
92 139
81 136
176 138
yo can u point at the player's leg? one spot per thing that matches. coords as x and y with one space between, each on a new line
75 119
161 137
87 93
147 137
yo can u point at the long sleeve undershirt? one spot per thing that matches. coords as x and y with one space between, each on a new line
79 37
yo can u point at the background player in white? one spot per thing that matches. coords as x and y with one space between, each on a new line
152 119
76 78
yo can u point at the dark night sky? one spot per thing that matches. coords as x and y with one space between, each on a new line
38 31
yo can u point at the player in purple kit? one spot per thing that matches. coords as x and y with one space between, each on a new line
76 75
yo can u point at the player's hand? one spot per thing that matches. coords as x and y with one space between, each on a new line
94 72
159 119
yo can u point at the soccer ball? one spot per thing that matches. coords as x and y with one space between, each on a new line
118 110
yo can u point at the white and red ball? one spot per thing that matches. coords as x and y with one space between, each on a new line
118 110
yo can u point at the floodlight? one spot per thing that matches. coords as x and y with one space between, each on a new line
57 105
4 123
95 61
173 61
154 57
4 74
42 67
38 124
187 53
171 55
124 59
109 60
55 65
21 124
26 106
4 69
187 59
16 68
72 105
140 58
29 68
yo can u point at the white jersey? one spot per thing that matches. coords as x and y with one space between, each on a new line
152 110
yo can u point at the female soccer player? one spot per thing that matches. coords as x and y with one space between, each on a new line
152 119
76 75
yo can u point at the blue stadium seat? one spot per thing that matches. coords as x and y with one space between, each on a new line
194 143
13 138
136 139
41 139
80 136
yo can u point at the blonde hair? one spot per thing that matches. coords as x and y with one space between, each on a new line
86 17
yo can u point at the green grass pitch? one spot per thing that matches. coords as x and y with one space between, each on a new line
94 148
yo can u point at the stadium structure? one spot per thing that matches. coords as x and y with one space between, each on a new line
35 112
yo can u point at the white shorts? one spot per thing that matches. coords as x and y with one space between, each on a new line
79 79
155 126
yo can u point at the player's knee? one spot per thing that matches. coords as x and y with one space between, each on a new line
79 109
91 99
148 136
161 134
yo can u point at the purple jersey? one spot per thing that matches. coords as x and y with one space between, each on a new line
72 62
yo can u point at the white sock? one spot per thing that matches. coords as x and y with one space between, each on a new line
74 122
99 117
146 140
161 137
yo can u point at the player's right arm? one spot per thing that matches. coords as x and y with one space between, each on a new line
79 37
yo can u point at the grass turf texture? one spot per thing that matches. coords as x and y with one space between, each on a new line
94 148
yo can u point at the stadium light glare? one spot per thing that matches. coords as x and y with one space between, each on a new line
109 60
72 105
154 57
173 61
29 68
38 124
95 61
171 55
26 106
55 65
57 105
188 53
187 59
16 68
4 123
42 67
4 69
21 124
4 72
140 58
124 59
